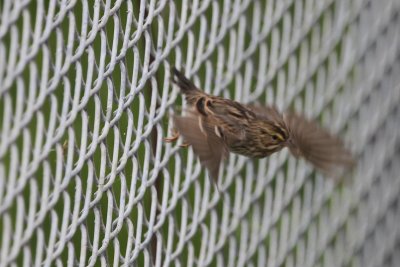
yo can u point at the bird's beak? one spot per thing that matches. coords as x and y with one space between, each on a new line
289 142
294 149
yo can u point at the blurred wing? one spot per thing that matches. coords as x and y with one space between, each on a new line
325 151
269 113
205 143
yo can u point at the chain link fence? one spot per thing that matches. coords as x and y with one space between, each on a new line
86 100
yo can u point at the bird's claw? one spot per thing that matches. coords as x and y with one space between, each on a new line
173 138
184 145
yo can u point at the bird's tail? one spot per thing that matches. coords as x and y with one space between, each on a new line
184 83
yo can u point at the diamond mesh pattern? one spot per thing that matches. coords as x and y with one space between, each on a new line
85 102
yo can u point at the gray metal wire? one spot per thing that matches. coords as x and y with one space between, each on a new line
85 101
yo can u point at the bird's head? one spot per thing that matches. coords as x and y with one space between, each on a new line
275 136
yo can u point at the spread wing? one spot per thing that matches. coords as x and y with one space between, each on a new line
202 135
324 150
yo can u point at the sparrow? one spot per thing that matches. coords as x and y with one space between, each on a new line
214 126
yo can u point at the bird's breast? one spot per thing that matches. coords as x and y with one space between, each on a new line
249 149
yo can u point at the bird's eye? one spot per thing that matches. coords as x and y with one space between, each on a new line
274 137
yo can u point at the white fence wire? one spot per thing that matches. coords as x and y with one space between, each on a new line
85 102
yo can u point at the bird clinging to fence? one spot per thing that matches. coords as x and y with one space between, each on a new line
215 126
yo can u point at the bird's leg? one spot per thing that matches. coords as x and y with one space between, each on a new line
174 138
184 144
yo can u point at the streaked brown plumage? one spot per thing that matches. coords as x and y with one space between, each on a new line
215 126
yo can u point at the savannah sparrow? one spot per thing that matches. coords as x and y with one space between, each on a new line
215 126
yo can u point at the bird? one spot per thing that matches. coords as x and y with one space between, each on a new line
214 127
